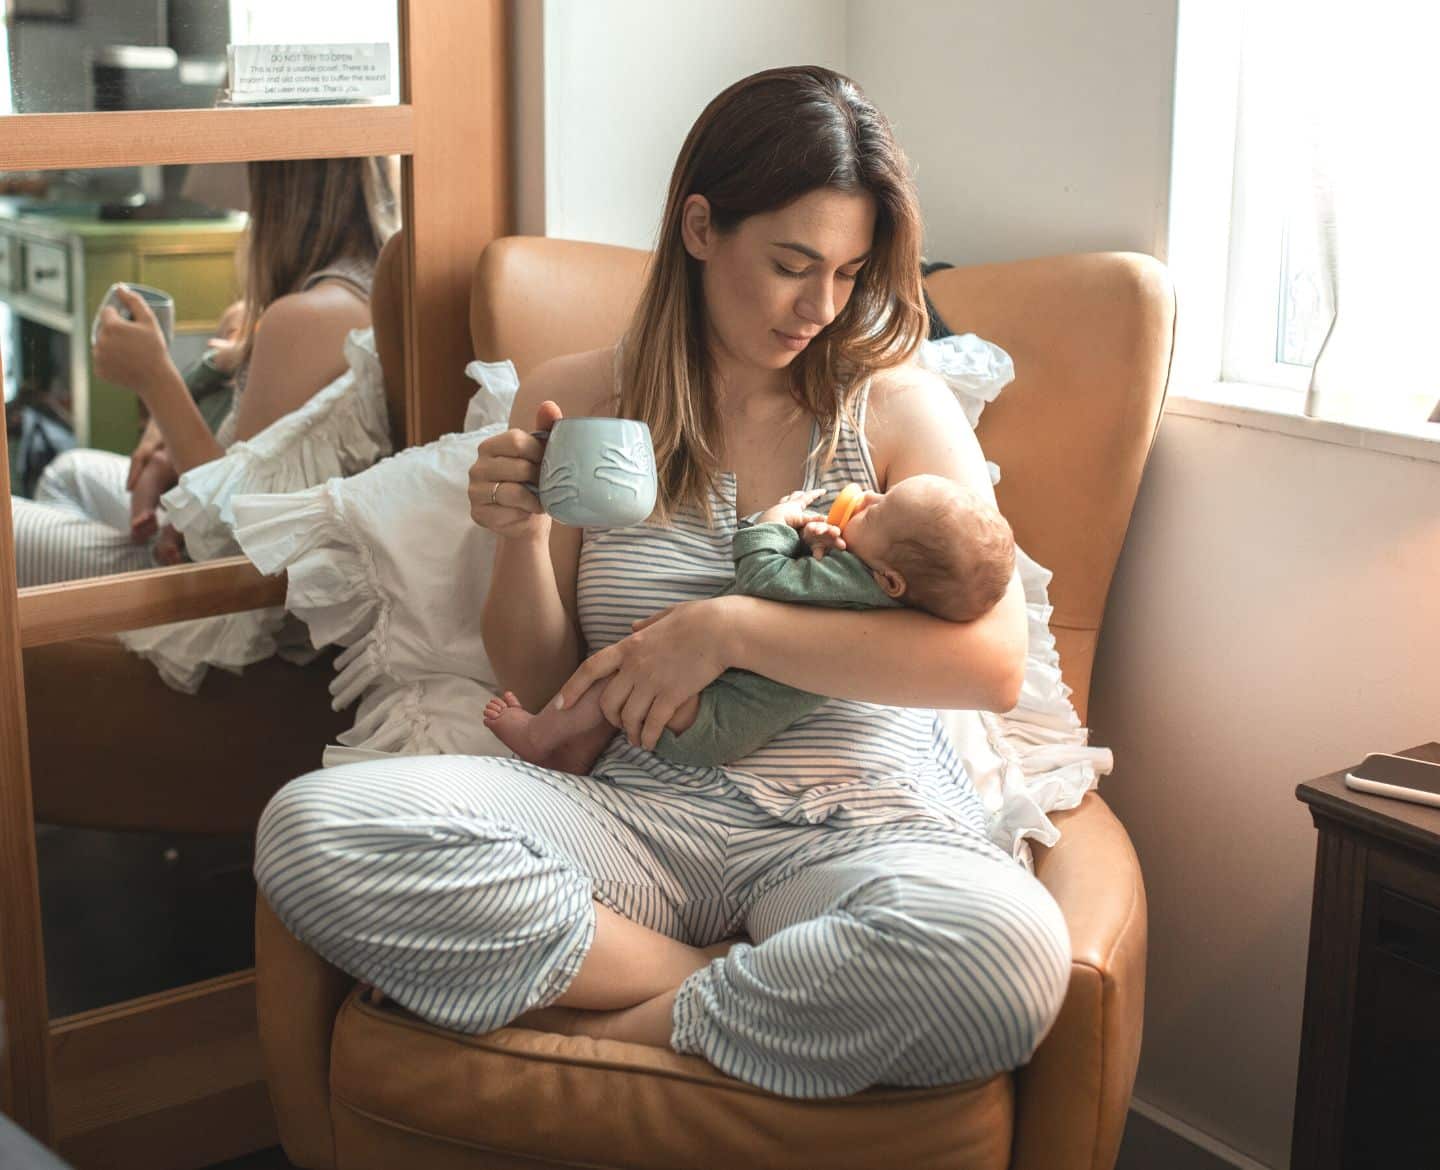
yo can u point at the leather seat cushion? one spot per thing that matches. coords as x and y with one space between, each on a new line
400 1084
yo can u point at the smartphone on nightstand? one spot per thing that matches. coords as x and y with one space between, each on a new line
1397 776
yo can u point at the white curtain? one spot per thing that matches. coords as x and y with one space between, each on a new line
1353 92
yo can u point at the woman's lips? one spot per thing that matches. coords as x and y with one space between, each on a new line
791 342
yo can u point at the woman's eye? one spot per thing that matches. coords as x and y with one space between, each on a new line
780 268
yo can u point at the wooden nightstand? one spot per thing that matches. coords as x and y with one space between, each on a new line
1369 1090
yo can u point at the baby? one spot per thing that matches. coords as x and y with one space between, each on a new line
927 543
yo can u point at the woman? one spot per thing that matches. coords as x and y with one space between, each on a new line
892 943
316 229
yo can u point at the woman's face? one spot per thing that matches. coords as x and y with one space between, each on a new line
781 276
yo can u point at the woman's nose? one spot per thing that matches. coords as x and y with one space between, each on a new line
818 305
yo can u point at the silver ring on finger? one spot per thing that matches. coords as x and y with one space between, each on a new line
494 488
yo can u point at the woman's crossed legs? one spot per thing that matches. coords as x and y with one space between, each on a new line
466 889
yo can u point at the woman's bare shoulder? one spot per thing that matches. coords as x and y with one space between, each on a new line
579 383
902 397
328 301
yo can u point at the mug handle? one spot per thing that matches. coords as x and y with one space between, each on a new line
534 488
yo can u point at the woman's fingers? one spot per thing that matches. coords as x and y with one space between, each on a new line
613 697
635 712
548 415
140 311
660 713
504 468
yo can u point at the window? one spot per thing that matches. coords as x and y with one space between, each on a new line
1331 202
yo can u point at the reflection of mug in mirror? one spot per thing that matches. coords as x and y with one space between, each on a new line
161 303
597 472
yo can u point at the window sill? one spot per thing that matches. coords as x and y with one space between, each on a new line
1266 408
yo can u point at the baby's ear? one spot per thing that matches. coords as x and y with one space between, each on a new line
889 580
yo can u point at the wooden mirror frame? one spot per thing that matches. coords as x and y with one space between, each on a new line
452 130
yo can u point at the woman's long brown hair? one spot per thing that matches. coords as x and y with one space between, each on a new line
307 214
762 143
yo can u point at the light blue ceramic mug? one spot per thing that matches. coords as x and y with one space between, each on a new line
597 472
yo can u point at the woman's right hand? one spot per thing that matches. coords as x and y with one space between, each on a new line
505 462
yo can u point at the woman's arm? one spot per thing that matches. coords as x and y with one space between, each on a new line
529 622
132 353
299 349
905 658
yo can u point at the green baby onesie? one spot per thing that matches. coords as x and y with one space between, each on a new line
741 711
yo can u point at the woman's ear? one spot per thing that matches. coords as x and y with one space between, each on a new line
889 580
696 231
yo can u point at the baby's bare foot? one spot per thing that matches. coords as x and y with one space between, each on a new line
511 724
558 740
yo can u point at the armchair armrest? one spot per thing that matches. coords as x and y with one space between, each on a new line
1071 1099
297 997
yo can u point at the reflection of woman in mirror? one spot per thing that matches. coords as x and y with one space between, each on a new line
316 229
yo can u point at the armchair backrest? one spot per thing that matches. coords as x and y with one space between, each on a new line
387 314
1090 336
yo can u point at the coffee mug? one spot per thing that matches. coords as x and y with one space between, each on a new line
161 303
597 472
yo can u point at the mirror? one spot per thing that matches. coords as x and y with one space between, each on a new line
74 435
144 843
63 56
131 914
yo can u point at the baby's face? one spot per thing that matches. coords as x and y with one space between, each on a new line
881 518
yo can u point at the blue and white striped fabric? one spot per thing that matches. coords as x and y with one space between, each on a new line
856 763
78 524
893 943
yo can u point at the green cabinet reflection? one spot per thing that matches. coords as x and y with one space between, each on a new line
56 263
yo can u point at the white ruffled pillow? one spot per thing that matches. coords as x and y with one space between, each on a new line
342 429
405 597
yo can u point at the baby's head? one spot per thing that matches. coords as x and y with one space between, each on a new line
934 545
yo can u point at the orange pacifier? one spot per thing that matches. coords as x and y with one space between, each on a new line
845 504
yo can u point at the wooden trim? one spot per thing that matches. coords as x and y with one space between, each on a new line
173 1079
457 194
132 601
25 1071
145 137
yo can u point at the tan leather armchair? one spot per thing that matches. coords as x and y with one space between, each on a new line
356 1085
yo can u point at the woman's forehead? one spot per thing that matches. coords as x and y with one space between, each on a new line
836 226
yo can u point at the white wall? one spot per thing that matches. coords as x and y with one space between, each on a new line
1274 615
1034 126
1274 618
626 79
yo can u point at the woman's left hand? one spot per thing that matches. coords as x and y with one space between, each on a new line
670 657
131 353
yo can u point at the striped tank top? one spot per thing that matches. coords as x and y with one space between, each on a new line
847 763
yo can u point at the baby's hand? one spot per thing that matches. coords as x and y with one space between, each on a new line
822 537
791 509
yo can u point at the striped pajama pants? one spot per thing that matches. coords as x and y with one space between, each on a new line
78 524
908 953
